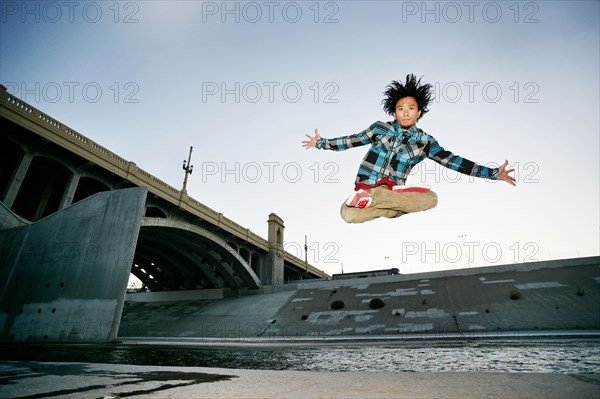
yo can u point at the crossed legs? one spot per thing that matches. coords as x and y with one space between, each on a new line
389 204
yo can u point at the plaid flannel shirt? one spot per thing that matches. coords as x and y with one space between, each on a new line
395 152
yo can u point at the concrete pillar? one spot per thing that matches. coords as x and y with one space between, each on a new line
274 264
16 180
64 278
48 185
275 236
69 194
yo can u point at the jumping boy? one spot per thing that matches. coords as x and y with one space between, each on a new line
396 147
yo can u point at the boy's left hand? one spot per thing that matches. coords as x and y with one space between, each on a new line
504 174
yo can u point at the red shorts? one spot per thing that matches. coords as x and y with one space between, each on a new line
383 182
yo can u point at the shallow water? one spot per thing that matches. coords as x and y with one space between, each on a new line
565 356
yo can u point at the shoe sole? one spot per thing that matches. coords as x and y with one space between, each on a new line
355 202
412 189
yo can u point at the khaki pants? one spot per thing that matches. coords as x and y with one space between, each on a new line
389 204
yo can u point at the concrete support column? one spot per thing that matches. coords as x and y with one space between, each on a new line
63 278
48 185
69 193
16 180
274 264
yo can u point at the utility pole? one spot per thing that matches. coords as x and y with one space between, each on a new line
306 253
188 169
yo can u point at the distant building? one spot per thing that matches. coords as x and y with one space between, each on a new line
371 273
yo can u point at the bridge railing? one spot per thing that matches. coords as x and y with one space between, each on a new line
24 114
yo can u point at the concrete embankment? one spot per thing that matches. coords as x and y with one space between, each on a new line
541 296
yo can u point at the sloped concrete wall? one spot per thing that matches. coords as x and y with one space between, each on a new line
64 277
479 304
546 296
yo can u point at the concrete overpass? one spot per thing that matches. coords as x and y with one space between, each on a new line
77 219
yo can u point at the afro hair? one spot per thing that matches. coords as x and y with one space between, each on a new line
412 88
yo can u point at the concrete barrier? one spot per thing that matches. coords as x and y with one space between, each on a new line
545 296
64 277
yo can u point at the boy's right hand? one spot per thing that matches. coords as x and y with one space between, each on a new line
312 141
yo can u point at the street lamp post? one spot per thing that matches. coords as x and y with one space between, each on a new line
462 237
188 169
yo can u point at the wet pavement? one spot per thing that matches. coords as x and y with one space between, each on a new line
33 379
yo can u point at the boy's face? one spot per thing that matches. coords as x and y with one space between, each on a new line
407 112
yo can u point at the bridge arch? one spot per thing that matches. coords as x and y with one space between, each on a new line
42 189
155 212
88 186
172 255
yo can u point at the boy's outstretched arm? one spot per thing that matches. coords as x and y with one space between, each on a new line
312 141
504 174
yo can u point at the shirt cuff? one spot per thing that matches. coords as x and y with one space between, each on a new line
495 173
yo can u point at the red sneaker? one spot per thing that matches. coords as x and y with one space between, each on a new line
412 188
359 199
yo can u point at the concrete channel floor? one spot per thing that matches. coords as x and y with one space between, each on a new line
31 379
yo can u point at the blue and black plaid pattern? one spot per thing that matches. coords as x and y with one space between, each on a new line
395 152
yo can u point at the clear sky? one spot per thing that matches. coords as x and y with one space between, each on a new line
243 82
